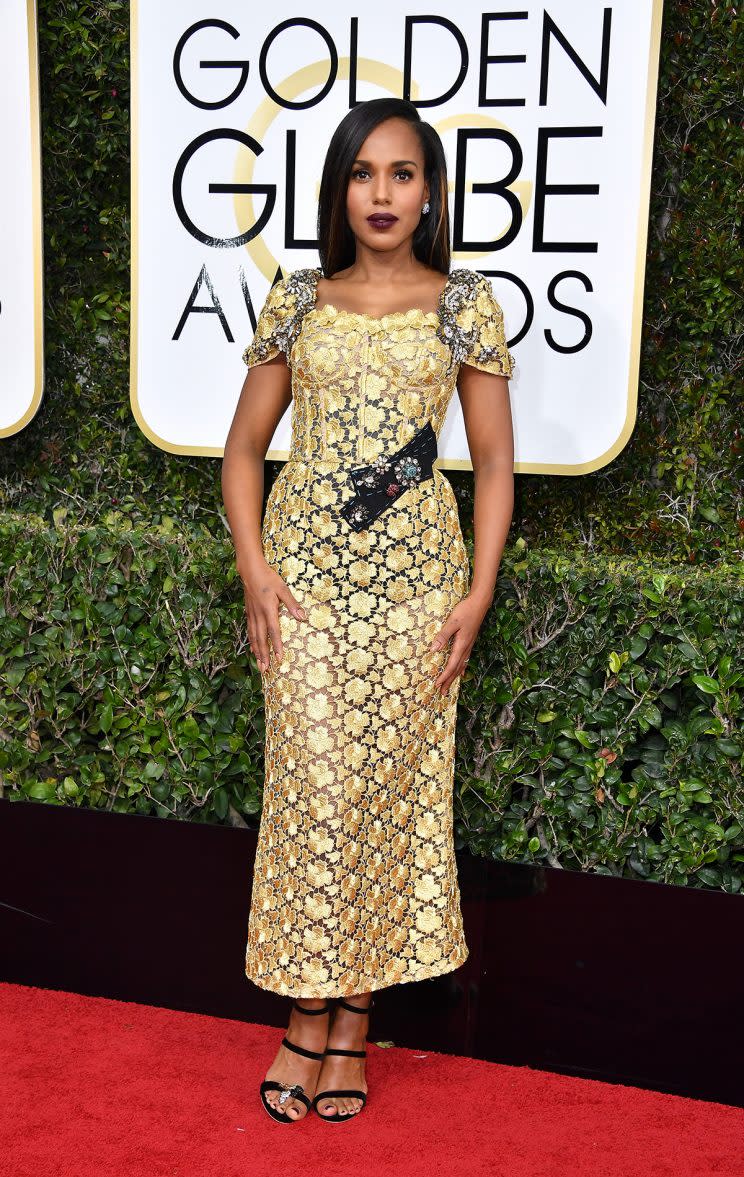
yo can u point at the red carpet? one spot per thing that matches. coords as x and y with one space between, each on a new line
96 1088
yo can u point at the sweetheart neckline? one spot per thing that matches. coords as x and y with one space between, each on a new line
412 311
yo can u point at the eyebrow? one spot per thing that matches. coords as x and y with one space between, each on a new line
395 164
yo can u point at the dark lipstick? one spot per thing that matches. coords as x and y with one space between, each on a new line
381 220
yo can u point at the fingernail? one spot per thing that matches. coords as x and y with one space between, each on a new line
302 614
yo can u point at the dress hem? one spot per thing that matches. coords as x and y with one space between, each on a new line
320 991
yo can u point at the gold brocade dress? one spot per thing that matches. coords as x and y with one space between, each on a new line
355 880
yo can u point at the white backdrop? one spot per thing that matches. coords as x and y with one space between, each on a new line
21 324
559 98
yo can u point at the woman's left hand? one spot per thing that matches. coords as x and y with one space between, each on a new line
462 626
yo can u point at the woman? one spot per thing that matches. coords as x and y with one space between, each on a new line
360 611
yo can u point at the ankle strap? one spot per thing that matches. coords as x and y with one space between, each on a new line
322 1009
357 1009
302 1049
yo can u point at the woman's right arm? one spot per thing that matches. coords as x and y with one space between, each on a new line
264 398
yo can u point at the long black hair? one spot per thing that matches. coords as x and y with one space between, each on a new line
336 242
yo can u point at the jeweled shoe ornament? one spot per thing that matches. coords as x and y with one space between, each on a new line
290 1092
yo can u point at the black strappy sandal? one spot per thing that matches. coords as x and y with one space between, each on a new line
295 1090
340 1117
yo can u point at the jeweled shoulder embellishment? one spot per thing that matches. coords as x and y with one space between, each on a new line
302 284
461 289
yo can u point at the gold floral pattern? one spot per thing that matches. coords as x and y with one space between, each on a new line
355 880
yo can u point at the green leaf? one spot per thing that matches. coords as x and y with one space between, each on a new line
729 748
43 790
584 739
190 728
710 514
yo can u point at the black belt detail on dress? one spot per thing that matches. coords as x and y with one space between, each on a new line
379 485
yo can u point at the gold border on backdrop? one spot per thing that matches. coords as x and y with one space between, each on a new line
36 223
451 463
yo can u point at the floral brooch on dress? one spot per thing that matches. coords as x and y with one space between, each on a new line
388 477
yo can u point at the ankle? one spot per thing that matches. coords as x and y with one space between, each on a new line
350 1034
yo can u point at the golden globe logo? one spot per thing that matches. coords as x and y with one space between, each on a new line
547 121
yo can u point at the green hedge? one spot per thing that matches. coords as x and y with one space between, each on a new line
597 722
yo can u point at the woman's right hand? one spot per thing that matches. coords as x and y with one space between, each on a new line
264 590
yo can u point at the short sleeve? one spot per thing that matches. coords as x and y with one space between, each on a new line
271 335
480 323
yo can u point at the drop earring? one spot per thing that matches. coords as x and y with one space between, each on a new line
425 209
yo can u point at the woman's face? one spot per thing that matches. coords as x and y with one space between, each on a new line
387 188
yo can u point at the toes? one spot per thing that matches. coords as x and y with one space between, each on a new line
283 1109
342 1106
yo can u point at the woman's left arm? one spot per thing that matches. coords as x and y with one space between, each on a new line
488 425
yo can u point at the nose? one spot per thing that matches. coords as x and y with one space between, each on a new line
381 189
